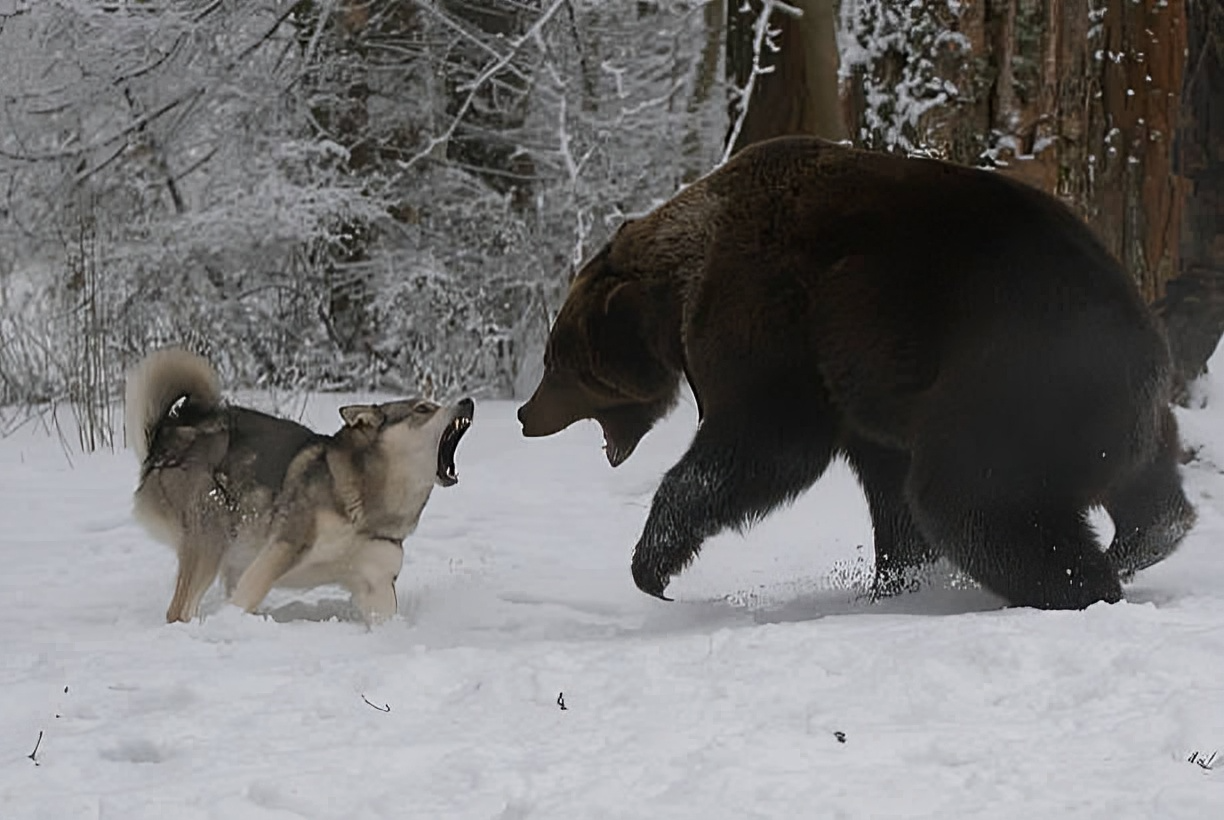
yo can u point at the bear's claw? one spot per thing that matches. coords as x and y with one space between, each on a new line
652 583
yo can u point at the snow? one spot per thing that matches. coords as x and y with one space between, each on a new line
516 593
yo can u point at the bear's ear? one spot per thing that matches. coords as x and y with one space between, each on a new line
622 343
624 299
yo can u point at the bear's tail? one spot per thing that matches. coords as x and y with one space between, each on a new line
157 384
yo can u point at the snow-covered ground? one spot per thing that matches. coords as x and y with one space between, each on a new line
768 690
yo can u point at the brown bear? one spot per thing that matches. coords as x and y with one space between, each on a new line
989 371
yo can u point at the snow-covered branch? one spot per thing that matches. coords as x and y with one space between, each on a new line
250 179
473 87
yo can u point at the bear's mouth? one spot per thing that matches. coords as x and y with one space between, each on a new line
451 435
623 428
617 452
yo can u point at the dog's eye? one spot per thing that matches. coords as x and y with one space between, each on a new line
423 408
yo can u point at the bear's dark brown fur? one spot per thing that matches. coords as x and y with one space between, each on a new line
987 368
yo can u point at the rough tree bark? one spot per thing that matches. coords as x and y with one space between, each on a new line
704 84
1193 308
1113 105
1137 197
799 92
1127 124
1081 98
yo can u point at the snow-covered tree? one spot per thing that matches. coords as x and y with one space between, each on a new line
329 193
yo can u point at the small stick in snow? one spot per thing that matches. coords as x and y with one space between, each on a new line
386 707
37 743
561 701
1204 763
841 736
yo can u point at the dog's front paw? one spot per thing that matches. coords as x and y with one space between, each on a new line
228 614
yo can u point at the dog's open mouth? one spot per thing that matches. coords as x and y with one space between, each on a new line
450 440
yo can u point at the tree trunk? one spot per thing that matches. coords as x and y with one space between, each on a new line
1138 198
342 82
703 86
1116 106
1077 97
798 94
1193 309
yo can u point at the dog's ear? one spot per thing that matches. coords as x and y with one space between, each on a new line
362 415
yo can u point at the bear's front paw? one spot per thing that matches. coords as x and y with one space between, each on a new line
649 575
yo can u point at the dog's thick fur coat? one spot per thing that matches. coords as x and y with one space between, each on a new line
987 368
266 502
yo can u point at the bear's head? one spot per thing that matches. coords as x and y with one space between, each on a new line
606 360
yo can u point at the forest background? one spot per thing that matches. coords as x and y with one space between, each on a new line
392 196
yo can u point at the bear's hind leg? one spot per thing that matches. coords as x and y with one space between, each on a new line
900 548
1150 511
1013 536
740 466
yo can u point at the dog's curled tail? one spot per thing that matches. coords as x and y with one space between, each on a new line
156 384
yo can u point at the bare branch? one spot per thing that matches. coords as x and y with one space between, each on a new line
267 35
467 35
475 85
134 126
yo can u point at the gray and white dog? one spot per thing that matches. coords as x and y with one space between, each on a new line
264 501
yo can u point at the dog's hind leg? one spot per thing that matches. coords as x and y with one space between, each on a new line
199 559
229 578
288 540
276 558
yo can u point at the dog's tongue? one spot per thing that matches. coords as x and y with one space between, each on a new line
447 476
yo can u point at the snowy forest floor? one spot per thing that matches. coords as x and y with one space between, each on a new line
769 689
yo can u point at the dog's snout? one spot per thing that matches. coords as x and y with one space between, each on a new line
467 406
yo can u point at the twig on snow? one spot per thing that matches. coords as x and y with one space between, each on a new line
386 707
33 755
1203 762
561 701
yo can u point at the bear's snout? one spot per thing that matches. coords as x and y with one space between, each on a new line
538 421
555 405
525 419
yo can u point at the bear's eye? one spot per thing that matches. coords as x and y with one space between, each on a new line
423 407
